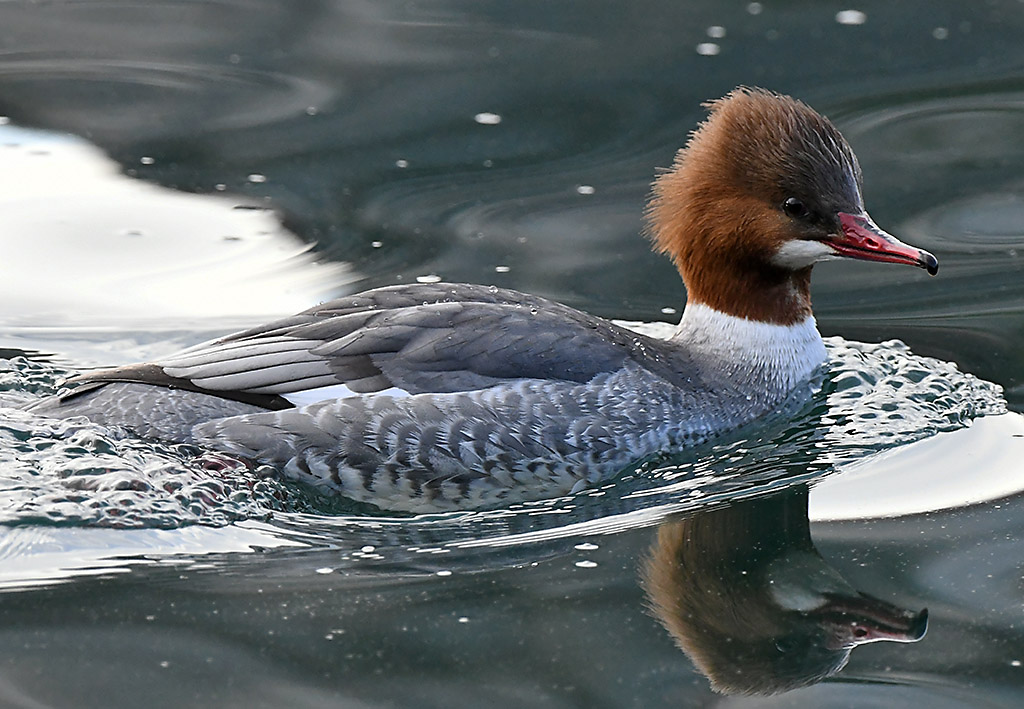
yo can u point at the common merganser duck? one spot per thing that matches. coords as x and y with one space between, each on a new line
434 397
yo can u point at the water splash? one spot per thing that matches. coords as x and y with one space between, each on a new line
882 395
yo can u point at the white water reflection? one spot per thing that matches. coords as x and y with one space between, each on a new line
113 251
40 556
955 469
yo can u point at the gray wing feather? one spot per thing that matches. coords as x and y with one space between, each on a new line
253 360
425 338
227 350
269 380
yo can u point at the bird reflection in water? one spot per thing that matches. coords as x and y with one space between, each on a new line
751 602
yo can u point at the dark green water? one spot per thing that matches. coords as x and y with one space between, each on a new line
505 143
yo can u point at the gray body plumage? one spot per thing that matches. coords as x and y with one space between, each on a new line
460 396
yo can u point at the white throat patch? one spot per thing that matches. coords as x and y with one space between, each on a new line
801 253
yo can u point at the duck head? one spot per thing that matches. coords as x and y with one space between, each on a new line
765 188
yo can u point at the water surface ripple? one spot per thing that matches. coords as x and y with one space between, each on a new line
873 397
165 577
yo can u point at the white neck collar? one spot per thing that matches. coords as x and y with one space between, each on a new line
776 355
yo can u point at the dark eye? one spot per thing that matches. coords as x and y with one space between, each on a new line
795 208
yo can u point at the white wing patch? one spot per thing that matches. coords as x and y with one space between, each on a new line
335 391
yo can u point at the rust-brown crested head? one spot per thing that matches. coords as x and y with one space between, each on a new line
764 169
765 188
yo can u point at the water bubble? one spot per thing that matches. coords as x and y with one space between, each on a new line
708 49
851 17
487 119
